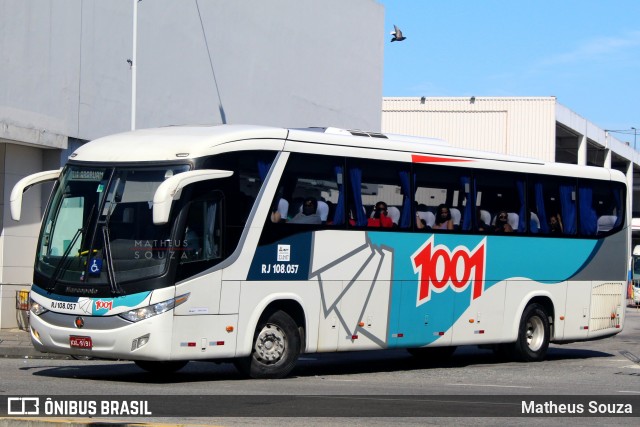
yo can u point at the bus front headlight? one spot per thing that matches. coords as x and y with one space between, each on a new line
152 310
36 308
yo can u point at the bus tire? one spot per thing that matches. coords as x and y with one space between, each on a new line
432 354
167 367
276 347
533 334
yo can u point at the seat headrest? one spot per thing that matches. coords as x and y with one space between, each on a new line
394 214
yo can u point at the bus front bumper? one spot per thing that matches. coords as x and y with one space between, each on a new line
103 337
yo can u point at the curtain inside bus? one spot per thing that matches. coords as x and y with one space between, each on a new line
568 208
405 215
542 215
338 216
588 217
522 212
356 185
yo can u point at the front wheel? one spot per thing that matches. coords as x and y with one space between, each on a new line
276 346
168 367
533 334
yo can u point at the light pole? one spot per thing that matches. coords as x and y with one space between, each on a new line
635 134
134 64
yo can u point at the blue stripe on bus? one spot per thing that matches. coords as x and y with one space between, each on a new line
96 306
416 321
546 261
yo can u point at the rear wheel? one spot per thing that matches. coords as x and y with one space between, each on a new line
276 347
155 367
533 335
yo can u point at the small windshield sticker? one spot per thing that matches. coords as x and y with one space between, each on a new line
284 253
86 175
100 188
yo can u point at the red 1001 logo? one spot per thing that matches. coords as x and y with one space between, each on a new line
439 268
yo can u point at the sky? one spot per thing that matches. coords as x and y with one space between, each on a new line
586 53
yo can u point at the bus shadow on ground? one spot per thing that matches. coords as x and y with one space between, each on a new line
128 372
400 360
309 365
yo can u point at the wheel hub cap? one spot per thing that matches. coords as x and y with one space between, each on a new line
270 344
535 333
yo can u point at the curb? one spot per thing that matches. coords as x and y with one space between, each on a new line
21 353
16 344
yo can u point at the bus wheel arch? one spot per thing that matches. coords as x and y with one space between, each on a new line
278 340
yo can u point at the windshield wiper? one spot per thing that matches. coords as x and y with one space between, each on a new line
111 276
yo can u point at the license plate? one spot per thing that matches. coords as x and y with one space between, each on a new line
80 342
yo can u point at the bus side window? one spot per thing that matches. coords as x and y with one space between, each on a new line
503 192
374 183
202 231
605 212
314 179
437 185
553 202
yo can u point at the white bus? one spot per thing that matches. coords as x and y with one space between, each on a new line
256 244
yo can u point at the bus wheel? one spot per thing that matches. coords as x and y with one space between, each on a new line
433 354
533 335
276 346
168 367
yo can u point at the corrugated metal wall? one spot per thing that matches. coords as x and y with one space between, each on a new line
515 126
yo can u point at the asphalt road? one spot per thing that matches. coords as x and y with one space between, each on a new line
585 368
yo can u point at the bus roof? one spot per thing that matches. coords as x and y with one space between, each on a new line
170 143
180 142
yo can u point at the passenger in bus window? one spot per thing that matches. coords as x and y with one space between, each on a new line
481 225
380 217
443 219
424 218
502 223
280 211
309 214
555 224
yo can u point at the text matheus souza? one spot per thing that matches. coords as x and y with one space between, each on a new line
593 407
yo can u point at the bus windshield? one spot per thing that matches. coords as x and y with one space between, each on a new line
99 230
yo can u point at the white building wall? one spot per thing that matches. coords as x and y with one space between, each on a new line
290 63
18 239
516 126
282 62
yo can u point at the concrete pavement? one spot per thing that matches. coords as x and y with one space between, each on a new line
16 343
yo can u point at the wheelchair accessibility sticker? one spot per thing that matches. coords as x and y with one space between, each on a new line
95 268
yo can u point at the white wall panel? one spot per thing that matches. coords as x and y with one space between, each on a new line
281 62
515 126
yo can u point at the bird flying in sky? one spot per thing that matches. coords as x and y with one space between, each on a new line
397 34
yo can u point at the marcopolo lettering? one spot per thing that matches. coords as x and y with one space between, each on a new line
439 268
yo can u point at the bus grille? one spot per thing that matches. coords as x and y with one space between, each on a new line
606 299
